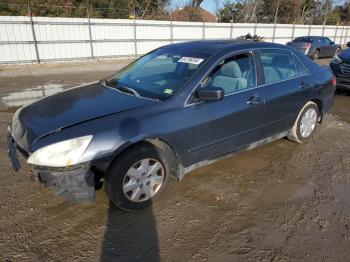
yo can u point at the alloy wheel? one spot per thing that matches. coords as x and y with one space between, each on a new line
308 122
143 180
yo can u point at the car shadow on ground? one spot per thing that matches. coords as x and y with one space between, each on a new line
130 236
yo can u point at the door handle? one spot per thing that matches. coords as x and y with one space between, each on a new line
254 100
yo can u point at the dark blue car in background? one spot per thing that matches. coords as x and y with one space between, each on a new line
315 47
340 66
176 108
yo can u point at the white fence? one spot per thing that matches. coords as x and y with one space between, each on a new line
35 39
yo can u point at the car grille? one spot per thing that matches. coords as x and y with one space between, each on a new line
345 68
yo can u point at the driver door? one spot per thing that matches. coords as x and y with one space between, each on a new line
215 128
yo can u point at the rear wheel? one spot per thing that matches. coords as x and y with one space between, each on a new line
305 124
316 54
137 177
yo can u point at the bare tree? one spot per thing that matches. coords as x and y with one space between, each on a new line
326 7
276 12
254 17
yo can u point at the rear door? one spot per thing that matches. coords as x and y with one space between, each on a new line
286 89
219 127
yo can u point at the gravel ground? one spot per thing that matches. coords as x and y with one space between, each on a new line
280 202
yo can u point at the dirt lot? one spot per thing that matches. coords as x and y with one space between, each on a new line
280 202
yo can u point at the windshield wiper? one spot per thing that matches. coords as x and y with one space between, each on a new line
128 90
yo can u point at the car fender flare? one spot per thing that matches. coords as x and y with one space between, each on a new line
316 101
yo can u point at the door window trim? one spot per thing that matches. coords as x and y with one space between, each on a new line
254 52
307 69
283 50
232 54
254 66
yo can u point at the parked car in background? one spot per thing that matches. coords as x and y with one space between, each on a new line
315 46
174 109
340 65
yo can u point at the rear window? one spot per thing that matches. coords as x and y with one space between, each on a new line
302 39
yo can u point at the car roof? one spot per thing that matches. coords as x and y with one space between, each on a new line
213 46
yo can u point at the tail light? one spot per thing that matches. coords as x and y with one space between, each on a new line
334 81
308 45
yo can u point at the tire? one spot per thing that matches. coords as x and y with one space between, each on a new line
316 54
298 133
118 180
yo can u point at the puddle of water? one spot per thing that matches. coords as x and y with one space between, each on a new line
10 109
251 160
275 194
341 106
29 95
10 102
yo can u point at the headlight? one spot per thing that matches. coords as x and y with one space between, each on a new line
61 154
336 59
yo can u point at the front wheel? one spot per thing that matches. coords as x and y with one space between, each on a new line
305 124
137 177
316 54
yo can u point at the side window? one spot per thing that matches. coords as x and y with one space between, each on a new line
278 65
235 74
326 41
317 41
301 68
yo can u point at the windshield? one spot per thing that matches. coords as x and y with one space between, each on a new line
159 74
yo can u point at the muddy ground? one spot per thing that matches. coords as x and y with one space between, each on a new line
280 202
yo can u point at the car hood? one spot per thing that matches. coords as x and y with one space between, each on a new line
68 108
345 55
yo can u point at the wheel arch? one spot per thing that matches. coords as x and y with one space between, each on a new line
158 143
319 104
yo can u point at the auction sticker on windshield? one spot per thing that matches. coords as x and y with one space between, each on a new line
191 60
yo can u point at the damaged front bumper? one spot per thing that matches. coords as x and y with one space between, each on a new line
76 183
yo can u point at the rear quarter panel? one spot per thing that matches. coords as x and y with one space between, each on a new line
320 81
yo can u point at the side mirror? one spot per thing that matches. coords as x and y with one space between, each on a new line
332 43
210 94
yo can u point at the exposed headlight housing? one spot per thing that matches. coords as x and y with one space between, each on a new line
61 154
336 59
